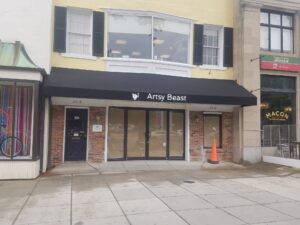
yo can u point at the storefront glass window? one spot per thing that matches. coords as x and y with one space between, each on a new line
116 133
158 133
136 133
212 128
278 109
176 134
16 106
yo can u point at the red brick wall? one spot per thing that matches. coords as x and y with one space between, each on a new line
196 134
56 135
197 137
96 139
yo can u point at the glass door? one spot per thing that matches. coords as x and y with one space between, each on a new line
136 132
157 141
116 134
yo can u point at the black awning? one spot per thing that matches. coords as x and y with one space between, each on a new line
64 82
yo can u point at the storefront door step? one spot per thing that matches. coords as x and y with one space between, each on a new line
151 165
119 167
72 168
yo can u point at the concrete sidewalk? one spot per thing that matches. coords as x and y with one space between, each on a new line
69 168
261 194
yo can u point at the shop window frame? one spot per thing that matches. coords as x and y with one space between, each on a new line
281 27
220 144
153 16
291 91
147 110
35 139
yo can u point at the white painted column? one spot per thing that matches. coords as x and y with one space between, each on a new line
46 134
106 134
187 135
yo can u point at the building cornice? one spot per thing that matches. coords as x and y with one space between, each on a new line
251 4
287 5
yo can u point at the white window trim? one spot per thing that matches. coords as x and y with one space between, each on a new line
74 55
220 49
78 56
152 15
147 13
115 59
212 67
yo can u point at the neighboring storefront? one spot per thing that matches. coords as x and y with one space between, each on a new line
20 102
278 99
266 40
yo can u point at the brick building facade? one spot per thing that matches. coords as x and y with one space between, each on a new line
123 96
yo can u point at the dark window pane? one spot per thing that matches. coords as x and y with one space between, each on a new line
273 102
278 83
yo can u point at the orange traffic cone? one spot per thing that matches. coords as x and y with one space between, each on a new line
213 159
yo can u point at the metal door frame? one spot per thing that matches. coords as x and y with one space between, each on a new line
147 126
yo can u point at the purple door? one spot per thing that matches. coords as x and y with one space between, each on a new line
76 134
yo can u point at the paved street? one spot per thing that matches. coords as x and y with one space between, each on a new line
154 192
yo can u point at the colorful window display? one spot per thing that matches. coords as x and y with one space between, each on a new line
15 120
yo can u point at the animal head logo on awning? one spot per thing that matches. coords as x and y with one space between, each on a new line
135 96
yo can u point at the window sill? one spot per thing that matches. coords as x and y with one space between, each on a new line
78 56
111 59
209 67
18 158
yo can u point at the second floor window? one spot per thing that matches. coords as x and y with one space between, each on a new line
79 31
211 46
147 37
276 32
